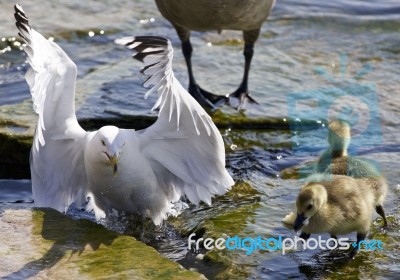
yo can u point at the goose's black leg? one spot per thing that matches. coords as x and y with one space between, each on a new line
242 93
202 96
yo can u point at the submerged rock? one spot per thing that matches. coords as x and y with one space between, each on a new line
44 243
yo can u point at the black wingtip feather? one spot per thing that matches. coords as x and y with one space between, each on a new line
19 15
148 78
152 40
140 55
22 22
147 67
148 42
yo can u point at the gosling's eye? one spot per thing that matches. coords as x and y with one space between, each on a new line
309 207
103 143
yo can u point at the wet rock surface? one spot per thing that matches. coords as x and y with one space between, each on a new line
43 243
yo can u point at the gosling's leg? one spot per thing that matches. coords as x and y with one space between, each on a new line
305 235
333 236
242 93
360 237
381 212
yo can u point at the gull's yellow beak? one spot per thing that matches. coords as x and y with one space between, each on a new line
114 163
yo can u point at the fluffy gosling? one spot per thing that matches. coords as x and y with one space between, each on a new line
338 205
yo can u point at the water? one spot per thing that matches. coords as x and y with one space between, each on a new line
310 57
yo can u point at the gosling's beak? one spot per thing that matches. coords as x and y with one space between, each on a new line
299 222
114 163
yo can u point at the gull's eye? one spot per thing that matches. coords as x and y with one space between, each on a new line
103 143
309 207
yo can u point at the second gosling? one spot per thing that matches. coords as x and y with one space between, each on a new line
338 205
339 137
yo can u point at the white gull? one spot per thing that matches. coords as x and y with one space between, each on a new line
141 172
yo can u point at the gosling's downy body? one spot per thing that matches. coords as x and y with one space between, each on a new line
338 205
354 167
203 15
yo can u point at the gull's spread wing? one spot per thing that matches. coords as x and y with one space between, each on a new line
57 165
184 146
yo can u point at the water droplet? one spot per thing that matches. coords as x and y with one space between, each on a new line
233 147
51 39
91 33
101 32
209 44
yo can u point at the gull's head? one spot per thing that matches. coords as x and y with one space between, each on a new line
110 145
309 201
